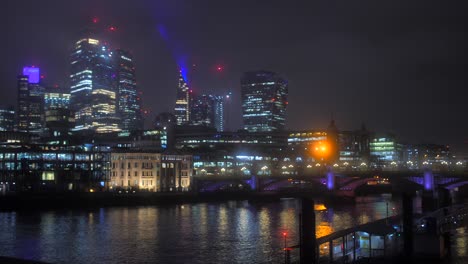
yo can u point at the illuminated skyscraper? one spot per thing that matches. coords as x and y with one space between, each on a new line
264 101
182 107
207 110
23 107
94 85
30 101
129 105
219 113
7 118
59 119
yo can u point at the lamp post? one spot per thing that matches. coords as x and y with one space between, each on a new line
286 249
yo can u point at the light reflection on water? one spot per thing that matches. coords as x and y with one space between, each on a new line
229 232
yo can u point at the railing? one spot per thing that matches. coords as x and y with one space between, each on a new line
443 219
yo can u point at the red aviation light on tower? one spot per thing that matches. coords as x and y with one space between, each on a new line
219 68
112 28
95 20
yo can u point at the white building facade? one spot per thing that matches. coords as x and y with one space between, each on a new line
154 172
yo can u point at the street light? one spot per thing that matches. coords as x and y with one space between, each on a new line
286 259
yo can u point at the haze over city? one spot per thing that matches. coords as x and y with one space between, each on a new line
248 131
395 66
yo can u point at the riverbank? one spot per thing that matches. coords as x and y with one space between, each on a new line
40 201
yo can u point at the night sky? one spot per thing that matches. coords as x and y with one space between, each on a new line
397 66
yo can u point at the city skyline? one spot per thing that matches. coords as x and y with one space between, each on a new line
388 80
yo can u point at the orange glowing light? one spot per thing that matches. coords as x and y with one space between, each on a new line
321 149
320 207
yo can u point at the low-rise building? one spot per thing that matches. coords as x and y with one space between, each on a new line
43 167
155 172
385 150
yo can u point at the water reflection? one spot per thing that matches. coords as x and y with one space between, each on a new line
230 232
460 243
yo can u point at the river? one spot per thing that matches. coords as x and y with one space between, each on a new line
224 232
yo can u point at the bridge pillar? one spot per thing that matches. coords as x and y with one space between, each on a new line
330 179
428 180
307 232
253 183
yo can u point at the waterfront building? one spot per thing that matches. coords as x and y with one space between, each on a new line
303 142
231 153
155 172
385 150
30 114
320 145
7 118
195 138
129 103
354 147
433 156
94 87
182 106
148 140
41 167
264 101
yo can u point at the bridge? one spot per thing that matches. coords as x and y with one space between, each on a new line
344 183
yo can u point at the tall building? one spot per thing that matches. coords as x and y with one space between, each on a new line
264 101
30 101
59 119
219 120
7 118
129 104
207 110
23 106
94 90
182 106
